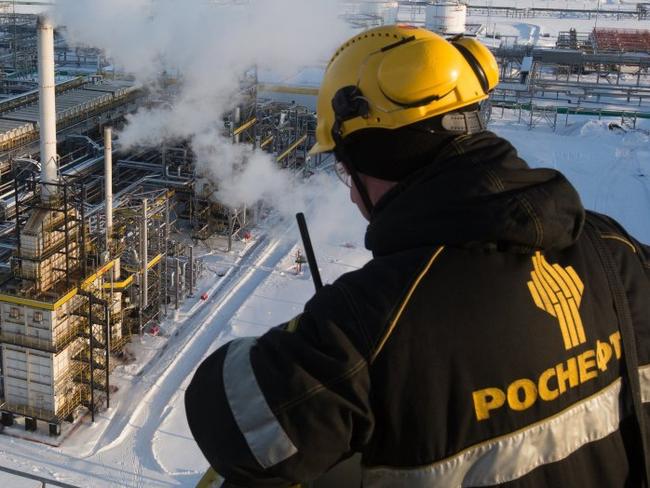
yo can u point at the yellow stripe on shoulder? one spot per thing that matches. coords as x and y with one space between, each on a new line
616 237
405 302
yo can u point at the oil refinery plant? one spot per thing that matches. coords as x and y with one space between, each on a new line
98 246
87 240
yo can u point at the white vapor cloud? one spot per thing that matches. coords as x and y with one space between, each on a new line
208 45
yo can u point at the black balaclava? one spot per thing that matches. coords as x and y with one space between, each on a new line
393 155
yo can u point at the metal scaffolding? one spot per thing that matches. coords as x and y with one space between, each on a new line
489 10
17 41
546 83
285 130
621 40
142 230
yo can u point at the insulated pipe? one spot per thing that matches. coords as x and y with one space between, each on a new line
145 255
47 97
177 279
237 121
165 169
108 183
191 271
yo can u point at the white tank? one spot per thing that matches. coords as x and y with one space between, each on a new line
387 11
446 17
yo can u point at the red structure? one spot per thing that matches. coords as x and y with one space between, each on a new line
621 40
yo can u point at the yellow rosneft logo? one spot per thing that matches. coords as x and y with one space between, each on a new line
555 381
558 291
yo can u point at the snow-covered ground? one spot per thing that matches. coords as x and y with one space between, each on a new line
610 169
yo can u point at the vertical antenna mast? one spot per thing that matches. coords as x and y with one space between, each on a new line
309 251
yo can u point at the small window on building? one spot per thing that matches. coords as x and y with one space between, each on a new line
38 316
14 312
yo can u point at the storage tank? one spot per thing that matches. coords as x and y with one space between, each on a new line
445 17
387 11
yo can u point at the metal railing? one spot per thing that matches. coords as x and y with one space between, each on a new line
44 481
56 345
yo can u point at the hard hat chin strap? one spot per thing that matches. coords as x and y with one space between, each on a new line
344 158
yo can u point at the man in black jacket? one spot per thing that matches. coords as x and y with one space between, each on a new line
488 342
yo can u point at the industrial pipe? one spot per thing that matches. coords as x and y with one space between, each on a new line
145 255
237 121
191 271
47 97
108 183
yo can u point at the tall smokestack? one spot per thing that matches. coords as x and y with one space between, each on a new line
108 181
46 90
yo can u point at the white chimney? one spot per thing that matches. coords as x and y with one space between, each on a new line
46 90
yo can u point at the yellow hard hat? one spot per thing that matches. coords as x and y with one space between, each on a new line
392 76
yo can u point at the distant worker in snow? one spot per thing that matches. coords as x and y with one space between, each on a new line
499 336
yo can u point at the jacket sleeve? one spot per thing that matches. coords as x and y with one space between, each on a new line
285 407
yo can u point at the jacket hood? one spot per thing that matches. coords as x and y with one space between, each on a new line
478 192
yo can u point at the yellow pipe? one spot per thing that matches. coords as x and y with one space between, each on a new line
120 285
245 126
291 148
266 142
58 304
65 299
154 261
72 293
100 272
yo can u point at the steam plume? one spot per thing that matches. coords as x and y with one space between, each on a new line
208 45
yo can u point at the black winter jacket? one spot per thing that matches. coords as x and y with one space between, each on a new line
479 347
